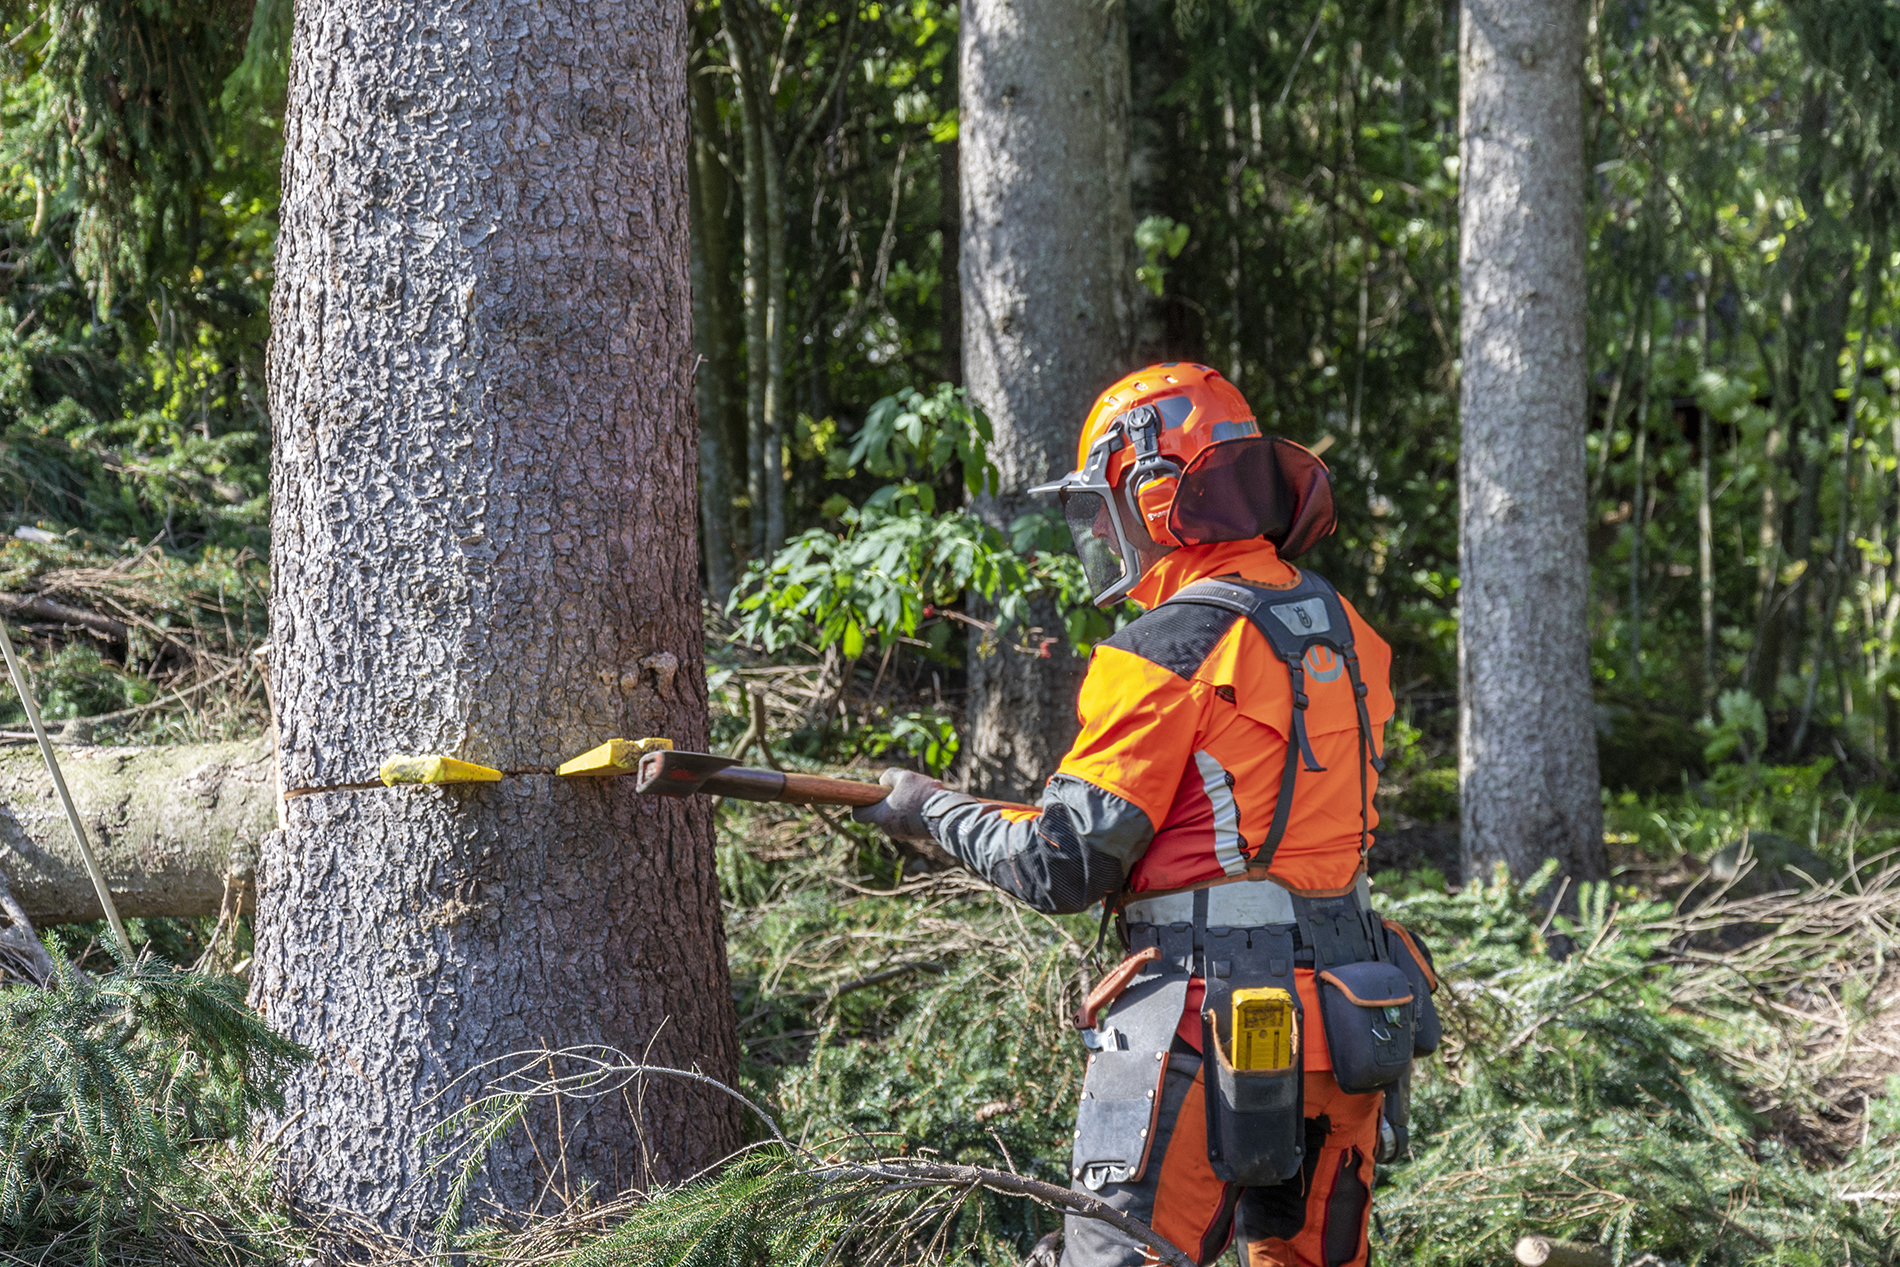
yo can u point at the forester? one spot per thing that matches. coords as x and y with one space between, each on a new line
1247 1060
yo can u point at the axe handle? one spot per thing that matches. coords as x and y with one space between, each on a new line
816 789
747 784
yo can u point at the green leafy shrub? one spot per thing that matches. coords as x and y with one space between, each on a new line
897 561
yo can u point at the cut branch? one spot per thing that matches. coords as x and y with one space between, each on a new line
41 608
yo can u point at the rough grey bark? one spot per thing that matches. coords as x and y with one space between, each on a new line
483 494
171 826
1046 270
1527 738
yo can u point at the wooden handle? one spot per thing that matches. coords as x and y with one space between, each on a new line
803 789
816 789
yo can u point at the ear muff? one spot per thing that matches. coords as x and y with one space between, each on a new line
1154 480
1155 487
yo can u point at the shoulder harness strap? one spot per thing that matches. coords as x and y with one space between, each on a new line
1294 621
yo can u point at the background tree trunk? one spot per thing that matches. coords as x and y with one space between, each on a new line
1046 268
1527 738
171 826
715 385
482 544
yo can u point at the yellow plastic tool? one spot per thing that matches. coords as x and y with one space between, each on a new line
434 768
616 756
1263 1029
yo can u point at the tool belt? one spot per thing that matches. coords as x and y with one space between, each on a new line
1245 941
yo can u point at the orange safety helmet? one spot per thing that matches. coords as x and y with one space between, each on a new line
1171 456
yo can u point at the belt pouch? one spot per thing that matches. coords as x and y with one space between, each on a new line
1368 1010
1256 1132
1122 1088
1401 943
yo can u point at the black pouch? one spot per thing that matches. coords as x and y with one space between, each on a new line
1256 1128
1414 958
1368 1010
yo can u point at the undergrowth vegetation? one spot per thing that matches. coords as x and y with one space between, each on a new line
1703 1078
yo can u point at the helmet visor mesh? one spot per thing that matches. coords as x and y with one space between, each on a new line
1255 487
1096 540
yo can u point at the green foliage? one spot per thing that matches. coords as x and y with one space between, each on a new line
910 434
185 670
137 221
897 566
1158 237
1742 729
1616 1095
104 1082
764 1208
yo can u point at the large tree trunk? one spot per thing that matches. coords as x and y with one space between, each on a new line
1527 739
175 828
1046 269
482 535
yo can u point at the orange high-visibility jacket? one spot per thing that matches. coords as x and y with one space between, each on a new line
1173 781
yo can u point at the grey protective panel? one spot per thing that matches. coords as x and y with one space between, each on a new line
1076 852
1308 616
1114 1123
1242 904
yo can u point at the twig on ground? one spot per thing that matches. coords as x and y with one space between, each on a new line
19 941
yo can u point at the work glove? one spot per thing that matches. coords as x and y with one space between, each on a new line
901 814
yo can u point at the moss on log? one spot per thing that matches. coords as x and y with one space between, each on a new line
170 825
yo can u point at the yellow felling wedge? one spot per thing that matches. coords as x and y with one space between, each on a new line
434 768
616 756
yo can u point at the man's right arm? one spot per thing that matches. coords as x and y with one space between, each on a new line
1100 811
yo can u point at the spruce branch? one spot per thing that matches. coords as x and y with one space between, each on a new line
510 1082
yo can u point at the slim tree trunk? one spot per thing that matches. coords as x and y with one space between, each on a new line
950 291
1047 266
752 198
1527 739
1704 510
777 310
1639 515
716 379
483 545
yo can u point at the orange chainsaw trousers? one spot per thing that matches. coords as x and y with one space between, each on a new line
1317 1219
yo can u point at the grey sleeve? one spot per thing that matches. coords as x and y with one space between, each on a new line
1072 855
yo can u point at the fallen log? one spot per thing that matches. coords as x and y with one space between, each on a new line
172 825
